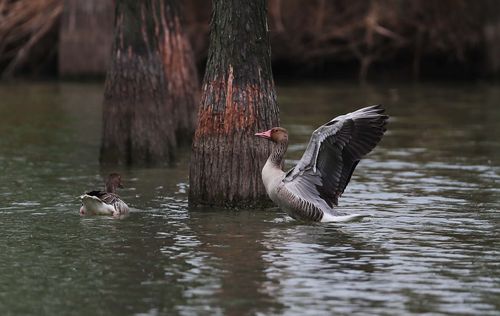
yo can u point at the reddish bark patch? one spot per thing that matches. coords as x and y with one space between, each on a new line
239 111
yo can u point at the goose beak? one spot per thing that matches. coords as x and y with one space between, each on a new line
266 134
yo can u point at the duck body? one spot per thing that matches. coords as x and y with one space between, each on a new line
104 202
298 208
311 189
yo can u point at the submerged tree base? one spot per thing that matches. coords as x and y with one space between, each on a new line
238 100
151 86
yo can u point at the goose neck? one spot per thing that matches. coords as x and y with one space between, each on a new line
278 153
110 188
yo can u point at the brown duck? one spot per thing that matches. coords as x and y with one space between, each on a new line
105 202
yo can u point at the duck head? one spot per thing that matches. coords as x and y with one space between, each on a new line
275 134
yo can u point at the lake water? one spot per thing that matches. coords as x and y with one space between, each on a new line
431 245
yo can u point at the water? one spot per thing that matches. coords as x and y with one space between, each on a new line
432 188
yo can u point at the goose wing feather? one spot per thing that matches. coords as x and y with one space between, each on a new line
111 199
332 154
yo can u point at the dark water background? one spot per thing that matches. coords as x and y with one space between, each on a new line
432 244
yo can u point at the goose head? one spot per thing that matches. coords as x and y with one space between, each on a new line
276 134
113 181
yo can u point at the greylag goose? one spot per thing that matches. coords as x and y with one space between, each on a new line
311 189
105 202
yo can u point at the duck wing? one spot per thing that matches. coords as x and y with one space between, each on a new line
110 199
332 154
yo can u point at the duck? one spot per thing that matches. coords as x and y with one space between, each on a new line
310 191
105 202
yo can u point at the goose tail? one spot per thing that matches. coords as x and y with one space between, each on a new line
94 205
329 218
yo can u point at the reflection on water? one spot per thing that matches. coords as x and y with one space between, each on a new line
431 245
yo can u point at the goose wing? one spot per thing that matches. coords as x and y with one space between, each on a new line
111 199
108 198
332 154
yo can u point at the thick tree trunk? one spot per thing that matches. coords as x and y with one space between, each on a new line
238 99
86 36
180 72
150 90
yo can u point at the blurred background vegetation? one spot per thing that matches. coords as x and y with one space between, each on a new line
335 38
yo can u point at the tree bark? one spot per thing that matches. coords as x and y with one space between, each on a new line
86 36
150 91
238 99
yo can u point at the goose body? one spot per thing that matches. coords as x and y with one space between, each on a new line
105 202
311 189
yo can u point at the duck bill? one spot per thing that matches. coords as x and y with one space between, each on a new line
266 134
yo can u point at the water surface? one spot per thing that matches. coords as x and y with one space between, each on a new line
431 245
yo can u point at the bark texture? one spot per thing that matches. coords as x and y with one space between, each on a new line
86 36
150 91
238 99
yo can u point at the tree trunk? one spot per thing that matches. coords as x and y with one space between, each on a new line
238 99
150 90
492 48
86 36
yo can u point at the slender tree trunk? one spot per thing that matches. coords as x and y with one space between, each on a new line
86 36
150 90
492 48
419 42
238 99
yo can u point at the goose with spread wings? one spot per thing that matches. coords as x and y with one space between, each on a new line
310 191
